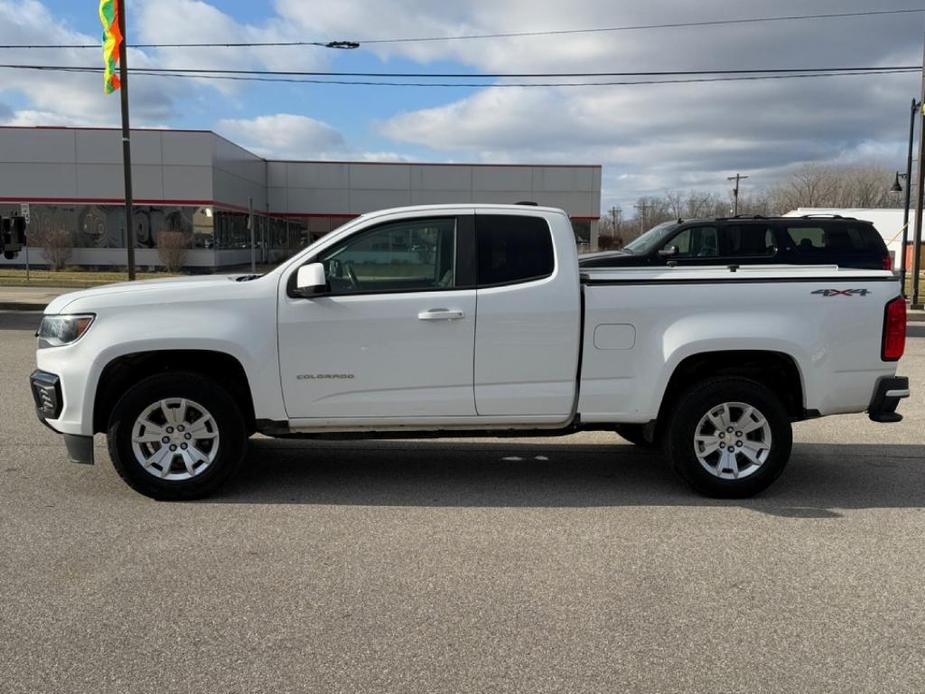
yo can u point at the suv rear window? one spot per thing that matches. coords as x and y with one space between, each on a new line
749 241
835 237
513 248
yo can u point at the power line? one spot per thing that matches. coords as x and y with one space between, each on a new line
492 75
144 72
469 37
536 84
638 27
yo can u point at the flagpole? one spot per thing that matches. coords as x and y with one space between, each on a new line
126 144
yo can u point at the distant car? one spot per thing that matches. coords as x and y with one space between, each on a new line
809 240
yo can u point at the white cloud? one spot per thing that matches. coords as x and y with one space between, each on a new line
649 138
171 21
284 135
656 138
291 136
60 98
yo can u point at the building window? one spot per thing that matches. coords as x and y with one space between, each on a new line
582 229
103 226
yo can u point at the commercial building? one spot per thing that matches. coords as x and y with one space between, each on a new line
203 185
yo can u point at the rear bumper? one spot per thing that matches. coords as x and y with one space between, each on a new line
887 394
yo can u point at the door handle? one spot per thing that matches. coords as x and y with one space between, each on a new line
441 314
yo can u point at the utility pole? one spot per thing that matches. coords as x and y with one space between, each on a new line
917 242
615 214
735 192
250 226
126 144
641 209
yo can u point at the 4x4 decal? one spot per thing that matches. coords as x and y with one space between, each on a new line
842 292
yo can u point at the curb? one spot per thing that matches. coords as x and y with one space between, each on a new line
21 306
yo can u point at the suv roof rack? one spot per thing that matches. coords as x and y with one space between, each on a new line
744 216
825 215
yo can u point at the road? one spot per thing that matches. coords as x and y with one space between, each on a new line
576 565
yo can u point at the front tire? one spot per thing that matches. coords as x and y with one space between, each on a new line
176 436
729 437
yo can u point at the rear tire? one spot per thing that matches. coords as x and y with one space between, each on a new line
635 434
729 437
176 436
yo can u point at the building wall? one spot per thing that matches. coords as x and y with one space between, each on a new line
200 184
302 187
238 176
39 164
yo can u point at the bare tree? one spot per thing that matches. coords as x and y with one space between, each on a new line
675 203
849 185
610 229
172 247
812 185
57 246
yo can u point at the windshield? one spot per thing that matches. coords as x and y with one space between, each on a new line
650 240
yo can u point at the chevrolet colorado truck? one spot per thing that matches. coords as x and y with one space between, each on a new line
467 320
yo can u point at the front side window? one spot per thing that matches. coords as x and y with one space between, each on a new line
649 241
696 242
513 248
411 255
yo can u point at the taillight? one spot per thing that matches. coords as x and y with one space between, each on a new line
894 330
887 262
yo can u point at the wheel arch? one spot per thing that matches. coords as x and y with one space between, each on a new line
124 371
777 371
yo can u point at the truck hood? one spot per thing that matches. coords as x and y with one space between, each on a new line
145 292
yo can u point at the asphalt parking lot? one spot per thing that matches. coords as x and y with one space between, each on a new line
574 564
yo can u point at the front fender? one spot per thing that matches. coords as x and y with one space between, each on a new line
245 331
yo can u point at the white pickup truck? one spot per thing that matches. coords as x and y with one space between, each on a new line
468 320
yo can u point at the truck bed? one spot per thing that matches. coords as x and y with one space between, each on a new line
641 323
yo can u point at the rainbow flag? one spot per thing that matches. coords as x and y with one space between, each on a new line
112 40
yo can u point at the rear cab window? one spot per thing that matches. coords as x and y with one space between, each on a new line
512 249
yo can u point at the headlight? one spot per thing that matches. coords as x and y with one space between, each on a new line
58 330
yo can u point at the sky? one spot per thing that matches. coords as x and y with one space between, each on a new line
650 139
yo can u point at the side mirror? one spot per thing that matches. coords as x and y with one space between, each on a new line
668 251
310 280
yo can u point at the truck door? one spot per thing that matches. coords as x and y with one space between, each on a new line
528 322
393 335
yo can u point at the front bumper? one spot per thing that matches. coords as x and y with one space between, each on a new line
887 394
46 392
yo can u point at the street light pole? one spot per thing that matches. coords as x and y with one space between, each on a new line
902 259
735 192
917 239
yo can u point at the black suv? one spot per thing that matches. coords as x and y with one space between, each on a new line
809 240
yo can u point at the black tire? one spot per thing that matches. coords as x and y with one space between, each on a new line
634 433
225 413
702 398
